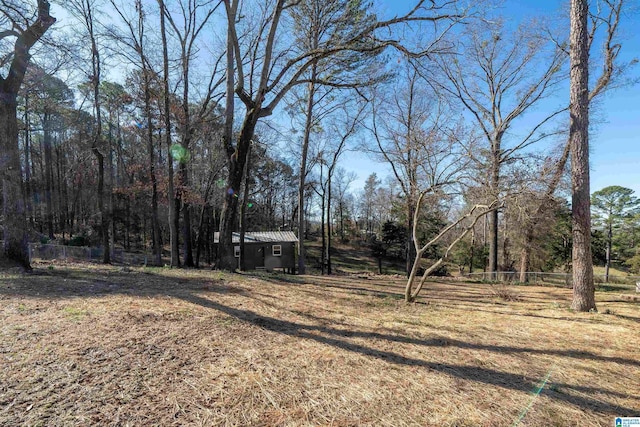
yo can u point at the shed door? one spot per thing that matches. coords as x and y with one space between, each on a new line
261 256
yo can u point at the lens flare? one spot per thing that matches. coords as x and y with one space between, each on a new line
179 153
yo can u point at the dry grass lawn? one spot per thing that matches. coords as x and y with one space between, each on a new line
86 345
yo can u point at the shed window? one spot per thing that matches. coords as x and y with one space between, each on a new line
236 251
277 250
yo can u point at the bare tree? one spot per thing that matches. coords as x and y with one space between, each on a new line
342 181
416 135
340 127
315 22
172 196
498 78
187 26
552 172
19 24
133 38
85 11
475 213
266 71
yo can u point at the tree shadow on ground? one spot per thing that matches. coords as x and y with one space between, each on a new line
475 299
87 285
506 380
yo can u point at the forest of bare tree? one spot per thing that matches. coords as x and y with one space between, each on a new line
149 126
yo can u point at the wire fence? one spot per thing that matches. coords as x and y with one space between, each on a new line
46 251
553 279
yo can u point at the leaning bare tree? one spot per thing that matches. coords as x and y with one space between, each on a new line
462 225
25 28
267 69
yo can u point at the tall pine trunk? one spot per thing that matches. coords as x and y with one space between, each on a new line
583 286
174 203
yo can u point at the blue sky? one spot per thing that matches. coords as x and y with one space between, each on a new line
615 134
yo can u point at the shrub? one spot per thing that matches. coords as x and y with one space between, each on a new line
504 292
78 241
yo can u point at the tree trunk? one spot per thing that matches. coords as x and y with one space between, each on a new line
97 138
226 259
200 233
174 211
224 253
104 220
65 194
607 264
171 193
341 210
323 237
48 174
411 248
525 256
329 226
27 161
243 211
493 216
583 285
15 245
155 223
112 179
408 291
471 252
303 170
187 240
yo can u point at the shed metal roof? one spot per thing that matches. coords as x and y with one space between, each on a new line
261 236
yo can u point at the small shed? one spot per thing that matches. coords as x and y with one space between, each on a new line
266 250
